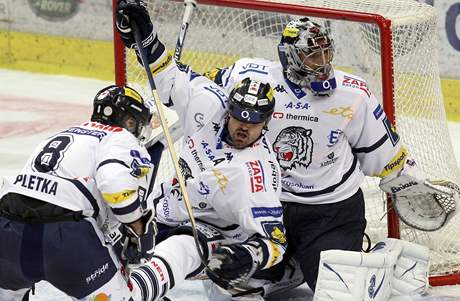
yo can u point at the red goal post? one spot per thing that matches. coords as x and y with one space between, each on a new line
404 86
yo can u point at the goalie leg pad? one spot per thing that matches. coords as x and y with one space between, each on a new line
354 276
9 295
411 271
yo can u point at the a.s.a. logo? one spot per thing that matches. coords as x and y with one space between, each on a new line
294 147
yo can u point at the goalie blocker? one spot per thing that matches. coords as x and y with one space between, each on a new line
394 270
423 204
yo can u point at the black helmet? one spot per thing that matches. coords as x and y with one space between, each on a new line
251 101
114 105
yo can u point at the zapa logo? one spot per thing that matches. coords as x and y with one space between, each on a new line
256 174
355 83
55 10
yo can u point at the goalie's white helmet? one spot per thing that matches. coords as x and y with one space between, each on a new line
123 107
306 52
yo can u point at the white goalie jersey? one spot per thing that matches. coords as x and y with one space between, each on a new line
235 190
88 168
325 145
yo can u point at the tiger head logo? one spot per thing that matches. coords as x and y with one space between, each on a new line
294 147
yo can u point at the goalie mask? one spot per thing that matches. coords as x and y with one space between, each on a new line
123 107
251 101
306 52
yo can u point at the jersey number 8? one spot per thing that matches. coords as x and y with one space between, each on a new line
52 153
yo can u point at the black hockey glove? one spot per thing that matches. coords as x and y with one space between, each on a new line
138 246
136 10
233 264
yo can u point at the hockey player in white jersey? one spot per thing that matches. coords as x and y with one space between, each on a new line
328 131
56 213
230 170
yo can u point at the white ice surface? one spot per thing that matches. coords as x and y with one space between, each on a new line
33 106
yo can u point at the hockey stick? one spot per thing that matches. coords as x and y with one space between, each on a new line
170 144
189 6
155 151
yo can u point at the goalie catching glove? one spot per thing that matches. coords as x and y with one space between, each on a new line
421 203
234 264
129 11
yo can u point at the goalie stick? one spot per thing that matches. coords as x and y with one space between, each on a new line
189 6
170 144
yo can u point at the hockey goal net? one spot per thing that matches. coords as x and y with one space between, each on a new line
392 44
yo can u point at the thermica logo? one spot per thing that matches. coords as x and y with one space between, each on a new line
55 10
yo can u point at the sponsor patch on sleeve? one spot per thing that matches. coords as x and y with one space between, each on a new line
394 137
118 197
395 164
266 211
162 64
378 112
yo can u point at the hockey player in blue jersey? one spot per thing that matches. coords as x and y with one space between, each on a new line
328 131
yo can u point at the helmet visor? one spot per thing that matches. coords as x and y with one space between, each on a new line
247 115
139 127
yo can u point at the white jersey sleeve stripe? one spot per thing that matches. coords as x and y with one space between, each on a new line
222 101
112 161
127 209
372 147
229 72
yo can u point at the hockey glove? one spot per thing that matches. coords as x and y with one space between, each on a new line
136 247
136 10
421 203
233 264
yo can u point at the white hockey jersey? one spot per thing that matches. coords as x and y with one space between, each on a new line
235 190
88 168
325 145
